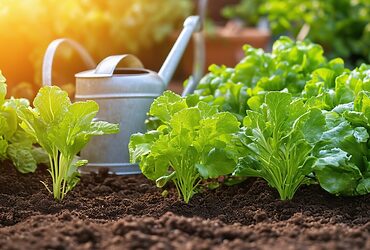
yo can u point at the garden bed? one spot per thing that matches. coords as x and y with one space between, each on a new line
120 212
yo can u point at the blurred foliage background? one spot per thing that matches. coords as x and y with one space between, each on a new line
142 27
342 27
104 27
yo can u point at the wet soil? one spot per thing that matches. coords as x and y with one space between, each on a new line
120 212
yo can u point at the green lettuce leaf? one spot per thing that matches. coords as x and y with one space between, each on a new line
287 68
342 152
279 139
62 129
22 157
15 144
192 144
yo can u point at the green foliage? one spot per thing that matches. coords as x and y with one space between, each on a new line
343 159
246 10
62 129
279 139
333 86
343 165
276 148
304 119
193 143
15 144
341 26
287 68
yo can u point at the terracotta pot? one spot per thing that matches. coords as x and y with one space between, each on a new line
226 48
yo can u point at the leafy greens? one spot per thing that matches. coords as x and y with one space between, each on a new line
279 139
15 144
288 67
193 143
305 120
339 158
62 129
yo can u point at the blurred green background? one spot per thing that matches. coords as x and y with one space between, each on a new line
143 28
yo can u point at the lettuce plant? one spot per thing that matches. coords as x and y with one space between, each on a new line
193 143
288 67
339 158
279 139
342 167
341 164
330 87
15 144
343 158
62 129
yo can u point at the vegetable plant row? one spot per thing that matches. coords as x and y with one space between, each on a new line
290 117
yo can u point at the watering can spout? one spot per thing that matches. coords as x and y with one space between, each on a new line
192 24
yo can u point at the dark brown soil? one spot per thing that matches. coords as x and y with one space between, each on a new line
117 212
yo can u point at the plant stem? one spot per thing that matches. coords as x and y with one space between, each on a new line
59 166
187 178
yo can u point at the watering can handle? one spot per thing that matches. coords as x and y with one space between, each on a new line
199 51
109 64
47 64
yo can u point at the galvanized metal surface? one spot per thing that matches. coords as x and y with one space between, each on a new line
124 99
199 51
192 24
50 53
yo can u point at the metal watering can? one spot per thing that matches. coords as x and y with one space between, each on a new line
124 95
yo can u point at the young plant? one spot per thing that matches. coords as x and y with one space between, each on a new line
288 67
279 139
15 144
343 159
342 167
62 129
193 143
